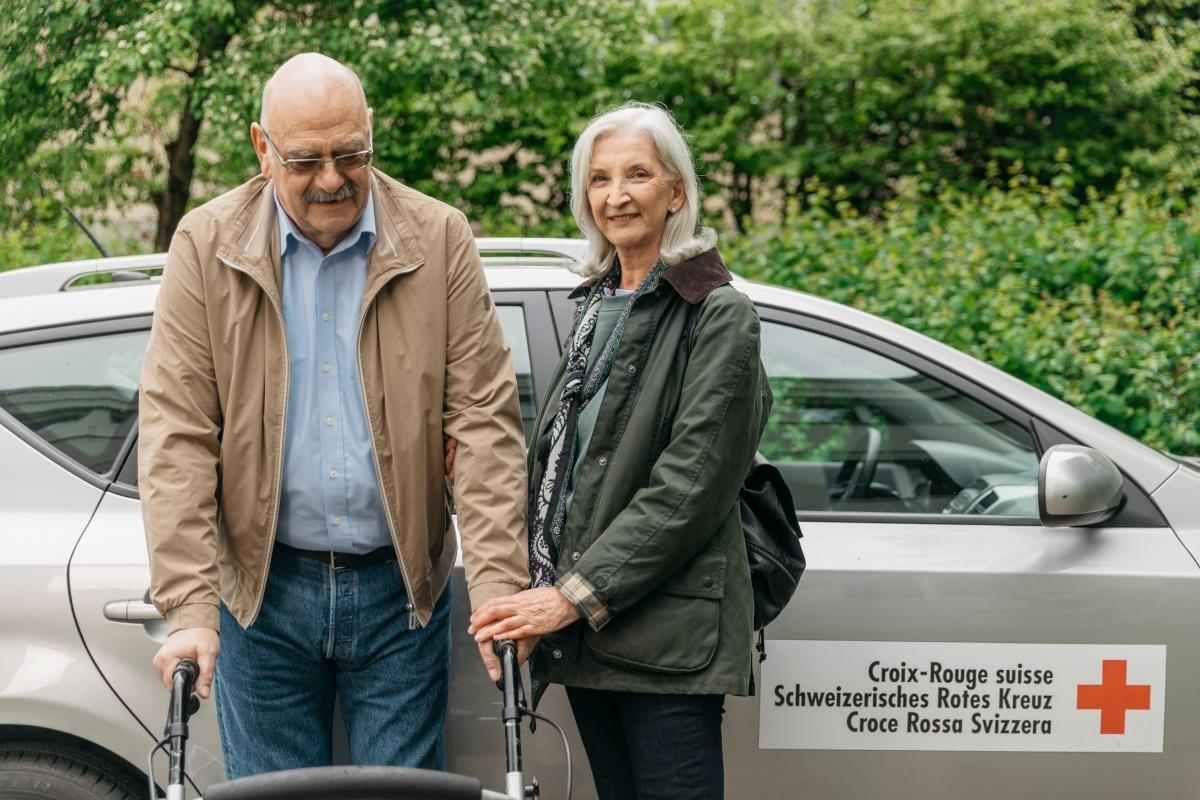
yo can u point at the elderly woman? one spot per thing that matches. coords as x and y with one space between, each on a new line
641 592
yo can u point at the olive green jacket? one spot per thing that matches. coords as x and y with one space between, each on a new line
652 552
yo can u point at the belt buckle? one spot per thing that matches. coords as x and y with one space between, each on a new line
333 561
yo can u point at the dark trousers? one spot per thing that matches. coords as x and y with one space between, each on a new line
652 746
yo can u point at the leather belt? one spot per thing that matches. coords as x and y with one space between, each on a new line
380 555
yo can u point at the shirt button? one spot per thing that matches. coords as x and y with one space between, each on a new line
333 473
329 421
328 367
575 556
337 521
558 654
602 461
325 316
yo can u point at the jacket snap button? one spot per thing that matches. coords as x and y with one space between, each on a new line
708 582
602 461
558 654
632 369
575 556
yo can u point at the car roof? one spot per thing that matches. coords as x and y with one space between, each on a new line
41 297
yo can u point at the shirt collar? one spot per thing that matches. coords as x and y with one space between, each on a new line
363 229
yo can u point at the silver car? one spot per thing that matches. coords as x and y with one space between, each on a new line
999 585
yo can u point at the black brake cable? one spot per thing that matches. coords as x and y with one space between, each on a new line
566 747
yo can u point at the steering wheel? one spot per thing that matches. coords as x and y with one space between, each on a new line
857 472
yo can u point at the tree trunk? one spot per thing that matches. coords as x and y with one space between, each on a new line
181 159
741 200
181 165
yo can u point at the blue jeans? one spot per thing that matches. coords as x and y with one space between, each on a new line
323 633
651 746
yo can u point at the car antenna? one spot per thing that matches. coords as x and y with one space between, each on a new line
83 227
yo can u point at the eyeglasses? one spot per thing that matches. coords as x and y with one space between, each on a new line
302 167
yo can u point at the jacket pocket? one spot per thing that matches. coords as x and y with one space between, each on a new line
673 630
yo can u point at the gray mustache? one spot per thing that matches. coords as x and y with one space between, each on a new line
316 195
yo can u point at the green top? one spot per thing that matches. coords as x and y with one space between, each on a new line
610 309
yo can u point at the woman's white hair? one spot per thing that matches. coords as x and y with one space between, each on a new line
681 239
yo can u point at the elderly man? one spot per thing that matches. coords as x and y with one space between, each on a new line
319 330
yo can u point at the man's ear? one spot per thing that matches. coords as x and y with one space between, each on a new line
259 140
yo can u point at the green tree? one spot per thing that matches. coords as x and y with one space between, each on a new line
110 104
861 94
88 90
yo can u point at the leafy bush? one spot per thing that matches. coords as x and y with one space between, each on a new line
1093 302
861 94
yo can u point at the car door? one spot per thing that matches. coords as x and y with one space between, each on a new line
68 399
1064 653
110 577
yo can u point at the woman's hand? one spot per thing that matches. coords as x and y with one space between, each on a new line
533 612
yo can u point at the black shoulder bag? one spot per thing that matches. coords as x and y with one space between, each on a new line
770 527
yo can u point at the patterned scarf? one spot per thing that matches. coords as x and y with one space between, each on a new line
556 450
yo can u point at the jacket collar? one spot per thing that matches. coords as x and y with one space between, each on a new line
692 279
252 241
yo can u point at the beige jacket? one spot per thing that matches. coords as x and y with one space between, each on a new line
214 395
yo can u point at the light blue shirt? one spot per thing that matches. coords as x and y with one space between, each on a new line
330 498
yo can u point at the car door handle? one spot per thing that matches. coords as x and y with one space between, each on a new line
136 611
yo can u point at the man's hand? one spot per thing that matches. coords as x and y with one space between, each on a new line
492 661
202 644
531 613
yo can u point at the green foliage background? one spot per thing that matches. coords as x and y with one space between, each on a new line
1093 302
1015 178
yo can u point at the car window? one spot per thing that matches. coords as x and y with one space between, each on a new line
852 430
512 321
77 395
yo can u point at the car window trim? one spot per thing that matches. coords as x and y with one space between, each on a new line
564 312
894 517
62 333
539 335
77 330
960 383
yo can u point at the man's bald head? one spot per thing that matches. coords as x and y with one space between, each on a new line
314 112
311 79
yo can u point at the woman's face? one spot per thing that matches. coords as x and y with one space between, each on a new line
629 190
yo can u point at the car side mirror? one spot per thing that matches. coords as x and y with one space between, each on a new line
1077 486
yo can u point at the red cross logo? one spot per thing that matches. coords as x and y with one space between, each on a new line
1113 697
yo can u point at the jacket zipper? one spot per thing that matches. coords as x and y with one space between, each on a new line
287 378
762 551
362 390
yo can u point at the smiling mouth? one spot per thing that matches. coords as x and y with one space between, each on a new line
622 217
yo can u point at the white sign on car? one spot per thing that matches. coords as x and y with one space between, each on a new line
826 695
